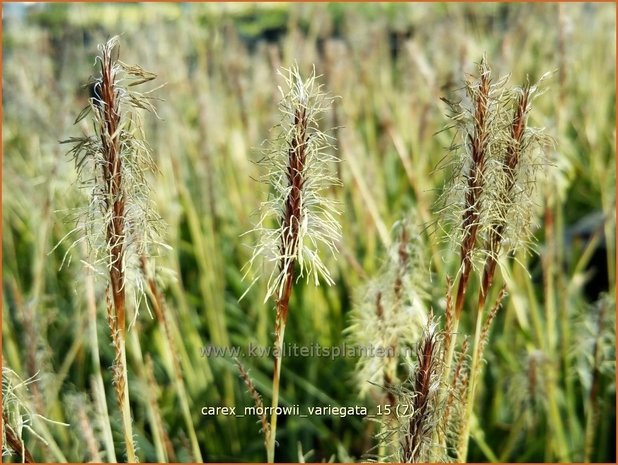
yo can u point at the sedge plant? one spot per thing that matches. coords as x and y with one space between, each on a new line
421 396
298 165
491 199
119 223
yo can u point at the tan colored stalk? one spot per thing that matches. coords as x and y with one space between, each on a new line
115 234
162 442
474 179
298 171
97 377
120 216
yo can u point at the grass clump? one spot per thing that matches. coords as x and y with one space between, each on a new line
545 388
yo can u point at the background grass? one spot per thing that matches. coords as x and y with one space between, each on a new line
390 64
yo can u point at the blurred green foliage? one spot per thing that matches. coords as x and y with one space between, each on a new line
389 64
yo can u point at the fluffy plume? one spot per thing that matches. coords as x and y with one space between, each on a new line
299 164
390 313
488 207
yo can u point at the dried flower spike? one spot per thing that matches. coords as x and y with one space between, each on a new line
465 200
390 312
424 402
298 170
512 199
491 198
120 218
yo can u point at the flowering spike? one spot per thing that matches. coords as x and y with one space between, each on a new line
298 171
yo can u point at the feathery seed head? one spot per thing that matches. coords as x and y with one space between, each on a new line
423 400
298 164
390 312
488 206
18 417
120 223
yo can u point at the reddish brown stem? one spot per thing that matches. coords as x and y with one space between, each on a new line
112 177
112 170
475 177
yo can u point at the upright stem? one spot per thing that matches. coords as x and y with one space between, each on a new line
297 173
594 407
451 326
109 111
270 451
118 196
126 408
291 221
492 246
475 180
96 363
281 317
462 450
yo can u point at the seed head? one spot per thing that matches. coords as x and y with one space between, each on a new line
120 223
390 312
298 164
490 202
422 399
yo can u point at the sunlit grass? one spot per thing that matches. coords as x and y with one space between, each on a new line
388 65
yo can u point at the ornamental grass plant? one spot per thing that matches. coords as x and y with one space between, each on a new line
477 234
